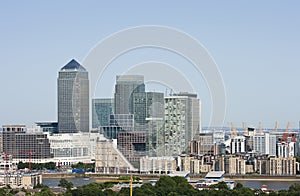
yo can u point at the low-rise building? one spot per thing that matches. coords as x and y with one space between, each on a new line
158 165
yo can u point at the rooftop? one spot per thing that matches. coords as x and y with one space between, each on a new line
73 65
215 174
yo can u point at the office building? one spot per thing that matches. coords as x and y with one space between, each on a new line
101 110
132 145
48 127
182 122
125 86
109 159
73 98
148 109
25 146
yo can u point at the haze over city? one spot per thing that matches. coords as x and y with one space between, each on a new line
255 45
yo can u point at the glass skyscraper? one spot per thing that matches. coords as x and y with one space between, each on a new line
73 99
125 86
101 110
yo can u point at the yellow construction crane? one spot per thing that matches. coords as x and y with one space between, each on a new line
276 127
245 129
233 129
287 127
116 180
260 128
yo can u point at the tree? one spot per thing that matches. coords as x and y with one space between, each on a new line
66 184
239 185
294 188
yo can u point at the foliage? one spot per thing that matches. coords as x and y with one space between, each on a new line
44 192
88 167
37 166
66 184
134 178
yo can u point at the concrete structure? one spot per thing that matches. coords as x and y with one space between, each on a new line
69 149
109 159
264 144
148 110
50 127
23 145
132 145
237 166
202 145
157 165
125 86
277 166
101 110
182 122
237 145
73 98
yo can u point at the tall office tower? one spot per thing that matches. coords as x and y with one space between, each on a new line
101 110
148 109
73 99
125 86
182 122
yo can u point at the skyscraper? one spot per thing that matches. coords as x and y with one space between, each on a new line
73 99
125 86
182 122
101 110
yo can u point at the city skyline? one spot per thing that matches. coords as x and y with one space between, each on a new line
255 48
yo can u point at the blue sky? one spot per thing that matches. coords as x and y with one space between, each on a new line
256 45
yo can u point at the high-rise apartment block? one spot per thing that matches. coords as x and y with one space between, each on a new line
182 122
73 98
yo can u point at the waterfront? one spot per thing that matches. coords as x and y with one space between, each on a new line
276 185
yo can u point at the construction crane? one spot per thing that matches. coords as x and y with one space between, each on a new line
233 129
130 182
276 126
29 153
260 128
245 129
287 127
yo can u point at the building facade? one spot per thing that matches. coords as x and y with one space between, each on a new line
101 110
73 98
125 86
182 122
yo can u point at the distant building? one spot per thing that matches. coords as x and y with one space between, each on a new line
157 165
101 110
148 110
238 145
132 145
24 146
202 145
109 159
125 86
73 98
182 122
264 143
49 127
237 166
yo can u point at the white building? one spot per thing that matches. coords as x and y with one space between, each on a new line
71 148
108 159
264 143
237 145
157 165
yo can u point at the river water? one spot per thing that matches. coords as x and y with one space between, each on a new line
276 185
